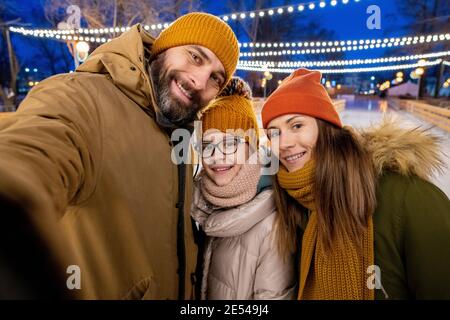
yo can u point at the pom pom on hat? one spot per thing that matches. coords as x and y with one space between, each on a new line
237 87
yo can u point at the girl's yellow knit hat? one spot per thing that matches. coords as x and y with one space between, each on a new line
231 110
205 30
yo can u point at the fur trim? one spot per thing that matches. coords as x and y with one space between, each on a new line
407 151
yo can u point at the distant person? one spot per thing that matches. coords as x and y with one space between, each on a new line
372 225
234 205
86 160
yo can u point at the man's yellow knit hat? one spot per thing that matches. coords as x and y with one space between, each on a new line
232 110
205 30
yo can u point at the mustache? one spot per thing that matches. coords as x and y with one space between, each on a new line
176 76
177 112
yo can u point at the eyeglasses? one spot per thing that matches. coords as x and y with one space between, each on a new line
226 146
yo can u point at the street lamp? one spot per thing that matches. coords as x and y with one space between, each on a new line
81 52
267 76
419 73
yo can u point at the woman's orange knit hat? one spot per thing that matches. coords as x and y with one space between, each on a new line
302 93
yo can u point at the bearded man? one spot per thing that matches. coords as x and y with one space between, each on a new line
93 206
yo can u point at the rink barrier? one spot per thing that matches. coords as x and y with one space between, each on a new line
438 116
339 104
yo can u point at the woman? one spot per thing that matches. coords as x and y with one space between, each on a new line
372 225
234 205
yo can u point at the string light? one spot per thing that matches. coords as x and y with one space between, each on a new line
354 46
287 9
64 37
371 43
330 63
69 35
75 31
350 70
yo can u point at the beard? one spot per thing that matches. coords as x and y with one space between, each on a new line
176 111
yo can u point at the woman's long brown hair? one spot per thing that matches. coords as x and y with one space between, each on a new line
344 191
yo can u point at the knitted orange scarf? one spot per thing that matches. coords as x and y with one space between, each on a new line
336 275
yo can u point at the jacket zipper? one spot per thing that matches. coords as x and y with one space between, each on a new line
181 249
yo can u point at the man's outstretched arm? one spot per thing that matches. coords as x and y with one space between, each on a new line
49 155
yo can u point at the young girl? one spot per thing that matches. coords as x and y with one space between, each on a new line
234 205
374 227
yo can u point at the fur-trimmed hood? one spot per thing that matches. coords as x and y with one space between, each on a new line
408 151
